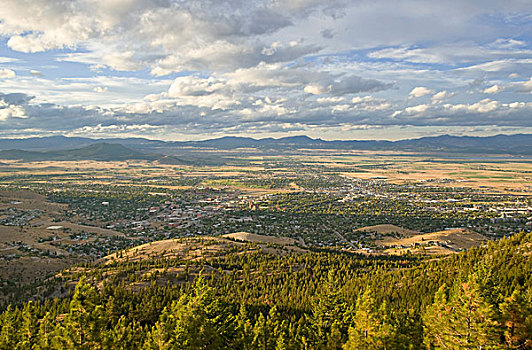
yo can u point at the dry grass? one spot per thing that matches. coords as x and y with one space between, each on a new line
251 237
193 248
15 263
204 247
387 229
455 240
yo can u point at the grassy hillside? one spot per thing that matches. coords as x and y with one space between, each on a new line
240 296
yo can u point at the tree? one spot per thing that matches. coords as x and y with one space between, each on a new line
371 330
436 320
463 321
330 315
46 334
516 315
244 330
7 334
28 327
196 321
85 321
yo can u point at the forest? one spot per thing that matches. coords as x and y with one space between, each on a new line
478 299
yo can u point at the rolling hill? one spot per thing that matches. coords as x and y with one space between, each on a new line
519 144
99 151
441 242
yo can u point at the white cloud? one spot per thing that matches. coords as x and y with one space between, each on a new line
510 66
330 100
265 66
507 43
316 89
100 89
483 106
442 95
7 59
36 73
6 73
416 109
494 89
370 103
525 86
195 86
166 36
420 91
8 111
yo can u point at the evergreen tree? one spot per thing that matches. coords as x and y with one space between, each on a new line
370 329
28 327
516 316
46 334
260 334
436 320
329 308
464 321
472 320
196 321
9 326
244 330
85 321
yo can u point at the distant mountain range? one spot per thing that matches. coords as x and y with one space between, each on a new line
76 148
501 144
99 151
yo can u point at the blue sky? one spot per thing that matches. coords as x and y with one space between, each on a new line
336 69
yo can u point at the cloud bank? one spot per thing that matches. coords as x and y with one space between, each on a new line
197 67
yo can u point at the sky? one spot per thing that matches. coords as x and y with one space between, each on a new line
199 69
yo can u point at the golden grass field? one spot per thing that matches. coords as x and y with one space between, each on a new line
501 175
26 268
454 239
203 247
387 229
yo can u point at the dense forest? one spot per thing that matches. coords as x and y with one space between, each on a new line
478 299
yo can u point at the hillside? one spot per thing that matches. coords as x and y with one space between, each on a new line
286 299
519 144
37 239
99 151
387 229
204 247
441 242
251 237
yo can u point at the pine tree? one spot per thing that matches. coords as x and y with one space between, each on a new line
334 339
329 308
46 334
274 327
84 322
463 321
196 321
516 316
124 335
8 340
436 320
28 327
244 330
370 330
260 334
472 320
160 336
281 343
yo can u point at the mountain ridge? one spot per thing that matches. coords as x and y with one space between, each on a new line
516 144
101 151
